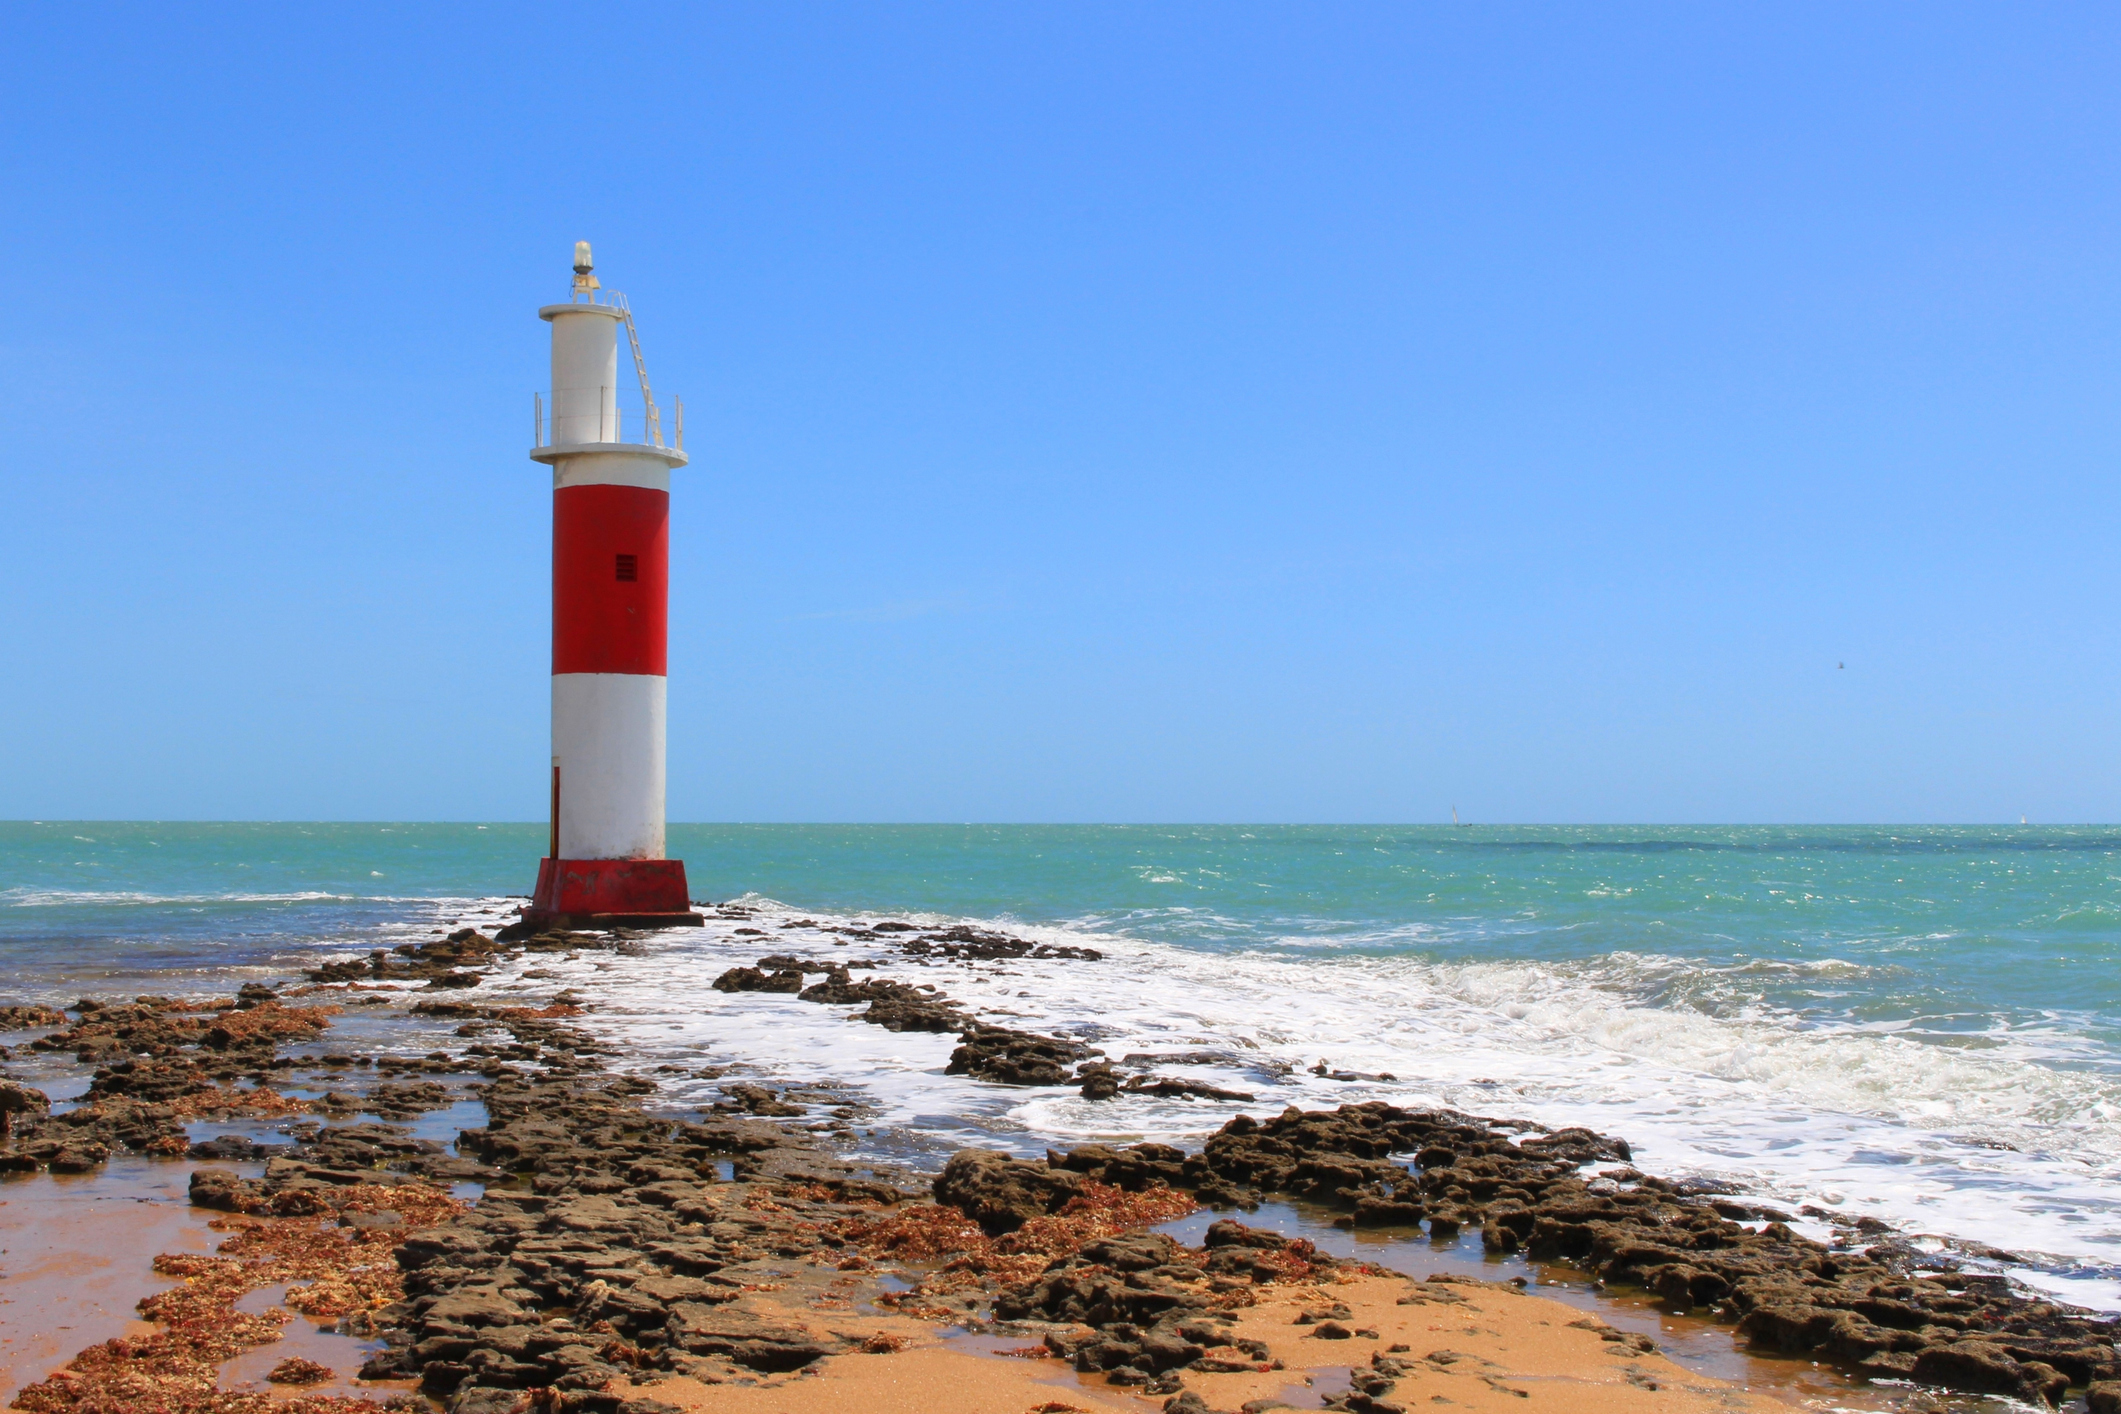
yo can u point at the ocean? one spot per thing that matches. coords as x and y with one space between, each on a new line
1920 1024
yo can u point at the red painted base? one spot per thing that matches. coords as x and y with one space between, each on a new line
611 893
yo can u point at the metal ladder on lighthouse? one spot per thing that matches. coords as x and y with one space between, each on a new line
640 367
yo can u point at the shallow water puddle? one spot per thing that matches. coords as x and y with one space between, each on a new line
301 1339
77 1254
445 1124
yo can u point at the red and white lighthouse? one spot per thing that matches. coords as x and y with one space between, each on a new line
610 606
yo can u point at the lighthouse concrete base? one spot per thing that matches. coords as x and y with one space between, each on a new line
610 893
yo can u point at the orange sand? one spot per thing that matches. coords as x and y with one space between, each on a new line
76 1256
1475 1347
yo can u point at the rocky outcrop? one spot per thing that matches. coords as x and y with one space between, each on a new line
1001 1194
609 1243
625 1225
1528 1192
1101 1082
1142 1306
939 1014
840 989
1016 1057
444 961
83 1137
20 1101
753 979
985 945
30 1018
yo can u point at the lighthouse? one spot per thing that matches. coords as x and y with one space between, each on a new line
605 864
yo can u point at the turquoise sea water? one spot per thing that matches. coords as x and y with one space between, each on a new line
1924 1020
1968 937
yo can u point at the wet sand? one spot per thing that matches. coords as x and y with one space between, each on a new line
77 1254
1482 1348
1696 1343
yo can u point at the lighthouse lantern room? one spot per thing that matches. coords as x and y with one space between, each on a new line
605 864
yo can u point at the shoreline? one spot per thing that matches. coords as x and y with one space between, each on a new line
1869 1060
675 1213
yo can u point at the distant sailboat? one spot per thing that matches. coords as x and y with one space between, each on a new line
1454 816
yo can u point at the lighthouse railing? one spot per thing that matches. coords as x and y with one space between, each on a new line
626 413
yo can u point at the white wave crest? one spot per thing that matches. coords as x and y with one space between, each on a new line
21 897
107 898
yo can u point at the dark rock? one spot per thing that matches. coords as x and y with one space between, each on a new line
1335 1312
20 1100
1788 1328
1228 1232
234 1147
938 1015
1978 1367
483 1399
979 944
745 1339
1576 1146
387 1365
756 1100
1171 1088
839 989
751 979
1134 1251
783 962
1015 1057
999 1193
226 1191
30 1018
1388 1212
1135 1168
473 1309
1100 1082
1190 1402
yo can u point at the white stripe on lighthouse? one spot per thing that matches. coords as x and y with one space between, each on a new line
607 739
612 469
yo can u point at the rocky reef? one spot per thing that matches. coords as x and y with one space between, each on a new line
618 1242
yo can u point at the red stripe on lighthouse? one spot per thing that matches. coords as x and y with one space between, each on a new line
610 579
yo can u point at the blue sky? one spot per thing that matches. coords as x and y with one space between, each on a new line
1098 412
